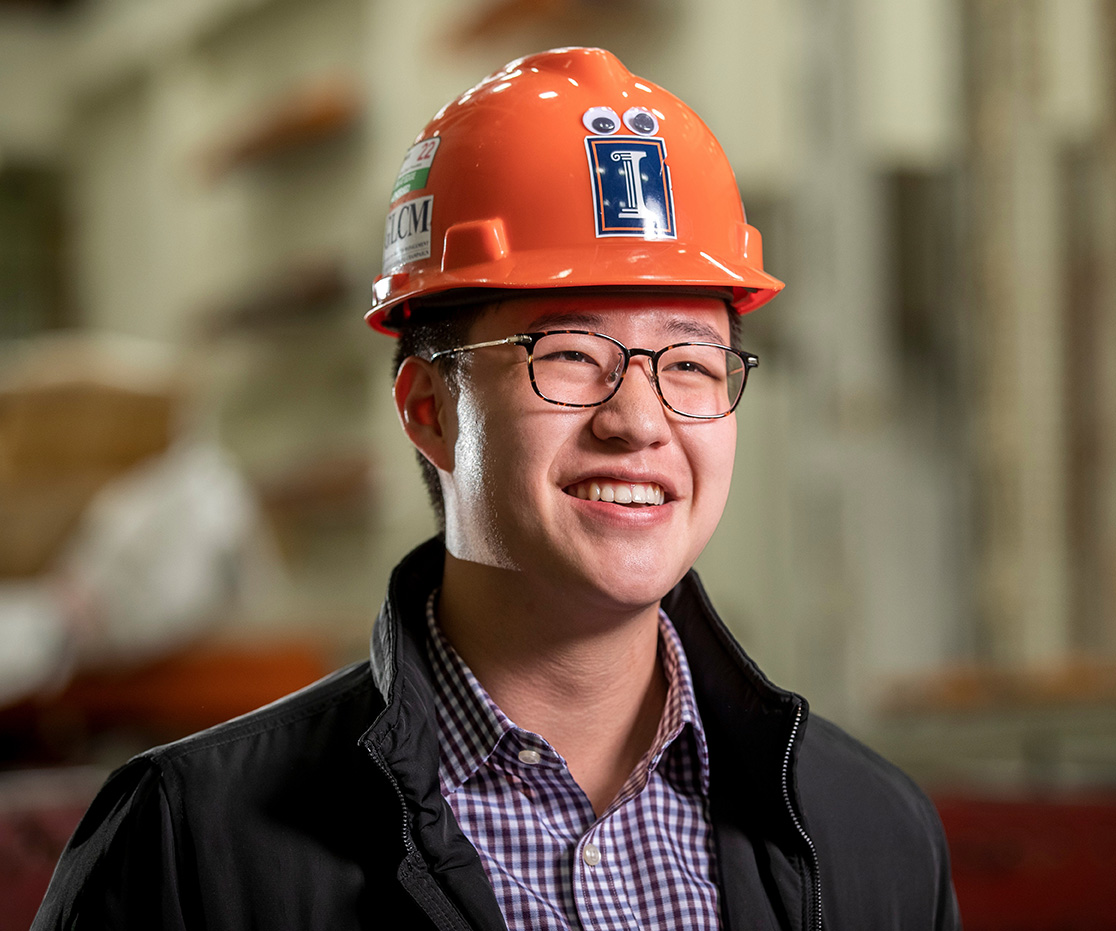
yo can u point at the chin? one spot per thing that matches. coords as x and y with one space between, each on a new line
633 580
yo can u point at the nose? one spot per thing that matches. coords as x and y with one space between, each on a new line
635 415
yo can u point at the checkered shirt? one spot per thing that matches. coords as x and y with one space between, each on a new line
647 862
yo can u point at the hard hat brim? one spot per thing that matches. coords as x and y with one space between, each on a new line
658 266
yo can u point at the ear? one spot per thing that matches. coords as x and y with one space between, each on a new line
426 411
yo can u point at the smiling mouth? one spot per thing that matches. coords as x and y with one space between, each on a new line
632 494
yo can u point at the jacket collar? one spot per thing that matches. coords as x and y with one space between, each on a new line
734 697
738 701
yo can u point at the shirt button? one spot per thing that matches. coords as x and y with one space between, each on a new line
530 757
591 854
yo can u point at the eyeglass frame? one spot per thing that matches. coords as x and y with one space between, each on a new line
529 340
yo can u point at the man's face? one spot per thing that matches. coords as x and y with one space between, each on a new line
519 462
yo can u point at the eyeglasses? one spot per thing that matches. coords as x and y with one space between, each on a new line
578 368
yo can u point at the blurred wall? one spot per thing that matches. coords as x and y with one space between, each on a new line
925 498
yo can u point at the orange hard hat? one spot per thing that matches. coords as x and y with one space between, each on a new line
565 170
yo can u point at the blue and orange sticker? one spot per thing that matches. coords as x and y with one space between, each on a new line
632 195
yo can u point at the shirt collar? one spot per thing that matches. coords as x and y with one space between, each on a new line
680 707
471 725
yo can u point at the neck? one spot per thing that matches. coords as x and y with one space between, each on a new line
585 677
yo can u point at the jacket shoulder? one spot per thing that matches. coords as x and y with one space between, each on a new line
294 756
842 769
288 782
880 844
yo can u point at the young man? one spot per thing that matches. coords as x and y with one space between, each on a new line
555 730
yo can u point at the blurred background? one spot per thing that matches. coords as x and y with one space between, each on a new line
203 487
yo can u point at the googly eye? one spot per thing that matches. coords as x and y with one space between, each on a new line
641 120
601 120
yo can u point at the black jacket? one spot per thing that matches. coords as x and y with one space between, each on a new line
323 811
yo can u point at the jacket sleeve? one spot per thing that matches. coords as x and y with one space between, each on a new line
120 869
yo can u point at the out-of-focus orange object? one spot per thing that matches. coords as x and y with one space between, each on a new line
314 112
200 686
979 689
196 687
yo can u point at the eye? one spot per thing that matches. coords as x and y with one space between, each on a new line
641 120
690 367
696 360
601 120
567 355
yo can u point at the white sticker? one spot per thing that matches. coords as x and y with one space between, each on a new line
407 233
415 168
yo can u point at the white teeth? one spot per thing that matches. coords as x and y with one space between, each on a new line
620 492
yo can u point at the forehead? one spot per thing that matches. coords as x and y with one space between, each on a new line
656 317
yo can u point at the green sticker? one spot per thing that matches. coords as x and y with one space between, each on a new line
408 181
415 170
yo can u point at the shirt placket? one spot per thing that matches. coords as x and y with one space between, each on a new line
599 863
546 850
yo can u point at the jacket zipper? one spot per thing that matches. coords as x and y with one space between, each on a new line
381 763
816 899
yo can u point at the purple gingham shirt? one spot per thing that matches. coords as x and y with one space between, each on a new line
647 862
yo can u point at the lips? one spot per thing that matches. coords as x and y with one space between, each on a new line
648 494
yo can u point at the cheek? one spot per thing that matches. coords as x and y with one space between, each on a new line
492 452
483 455
713 464
480 488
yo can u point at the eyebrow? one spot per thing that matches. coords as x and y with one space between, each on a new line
681 327
692 329
567 321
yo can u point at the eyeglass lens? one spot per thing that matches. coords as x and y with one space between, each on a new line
582 368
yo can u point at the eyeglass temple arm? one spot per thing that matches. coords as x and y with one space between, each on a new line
520 339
